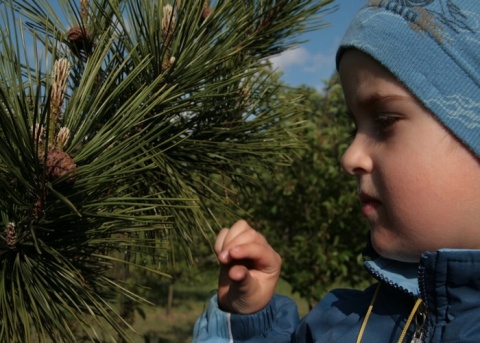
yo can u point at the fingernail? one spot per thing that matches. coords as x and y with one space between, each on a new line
223 257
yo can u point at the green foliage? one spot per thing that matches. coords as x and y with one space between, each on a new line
308 210
114 116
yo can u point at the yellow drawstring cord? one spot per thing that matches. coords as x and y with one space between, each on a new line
369 311
410 318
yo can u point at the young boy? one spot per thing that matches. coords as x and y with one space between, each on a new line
410 70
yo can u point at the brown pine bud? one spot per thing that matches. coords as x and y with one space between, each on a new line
59 164
168 21
10 235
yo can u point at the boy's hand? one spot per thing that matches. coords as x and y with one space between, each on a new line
249 272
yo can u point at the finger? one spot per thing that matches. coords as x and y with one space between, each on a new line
260 256
228 235
219 241
241 233
237 229
249 238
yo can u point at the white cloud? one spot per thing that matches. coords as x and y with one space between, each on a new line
304 60
290 58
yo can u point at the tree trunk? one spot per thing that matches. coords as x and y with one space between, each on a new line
171 287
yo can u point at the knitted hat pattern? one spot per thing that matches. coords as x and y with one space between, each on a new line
433 48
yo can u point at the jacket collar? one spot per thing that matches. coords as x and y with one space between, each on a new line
445 265
400 275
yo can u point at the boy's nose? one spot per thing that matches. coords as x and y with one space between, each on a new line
356 160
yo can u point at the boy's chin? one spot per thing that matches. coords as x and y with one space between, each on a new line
392 254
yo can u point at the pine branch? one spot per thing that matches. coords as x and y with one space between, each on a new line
114 134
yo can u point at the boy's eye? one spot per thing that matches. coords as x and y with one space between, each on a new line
381 124
384 122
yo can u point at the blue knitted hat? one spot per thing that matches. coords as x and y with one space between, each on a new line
433 48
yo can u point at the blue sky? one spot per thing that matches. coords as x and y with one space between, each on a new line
314 60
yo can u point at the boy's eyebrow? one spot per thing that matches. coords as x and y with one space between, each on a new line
374 98
368 102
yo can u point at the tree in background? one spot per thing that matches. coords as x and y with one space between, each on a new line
308 210
114 116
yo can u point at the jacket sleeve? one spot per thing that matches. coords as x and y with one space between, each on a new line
275 323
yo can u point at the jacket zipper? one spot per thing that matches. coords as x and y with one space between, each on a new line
421 329
420 320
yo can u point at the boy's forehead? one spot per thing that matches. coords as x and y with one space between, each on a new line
366 83
358 67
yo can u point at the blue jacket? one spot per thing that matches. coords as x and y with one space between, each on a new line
448 282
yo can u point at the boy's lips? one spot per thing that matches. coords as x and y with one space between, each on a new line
369 203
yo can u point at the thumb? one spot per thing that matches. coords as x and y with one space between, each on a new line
236 295
240 275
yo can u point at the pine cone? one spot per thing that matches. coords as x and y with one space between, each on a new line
81 41
59 164
206 12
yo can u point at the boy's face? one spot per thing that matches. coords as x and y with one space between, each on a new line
419 187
